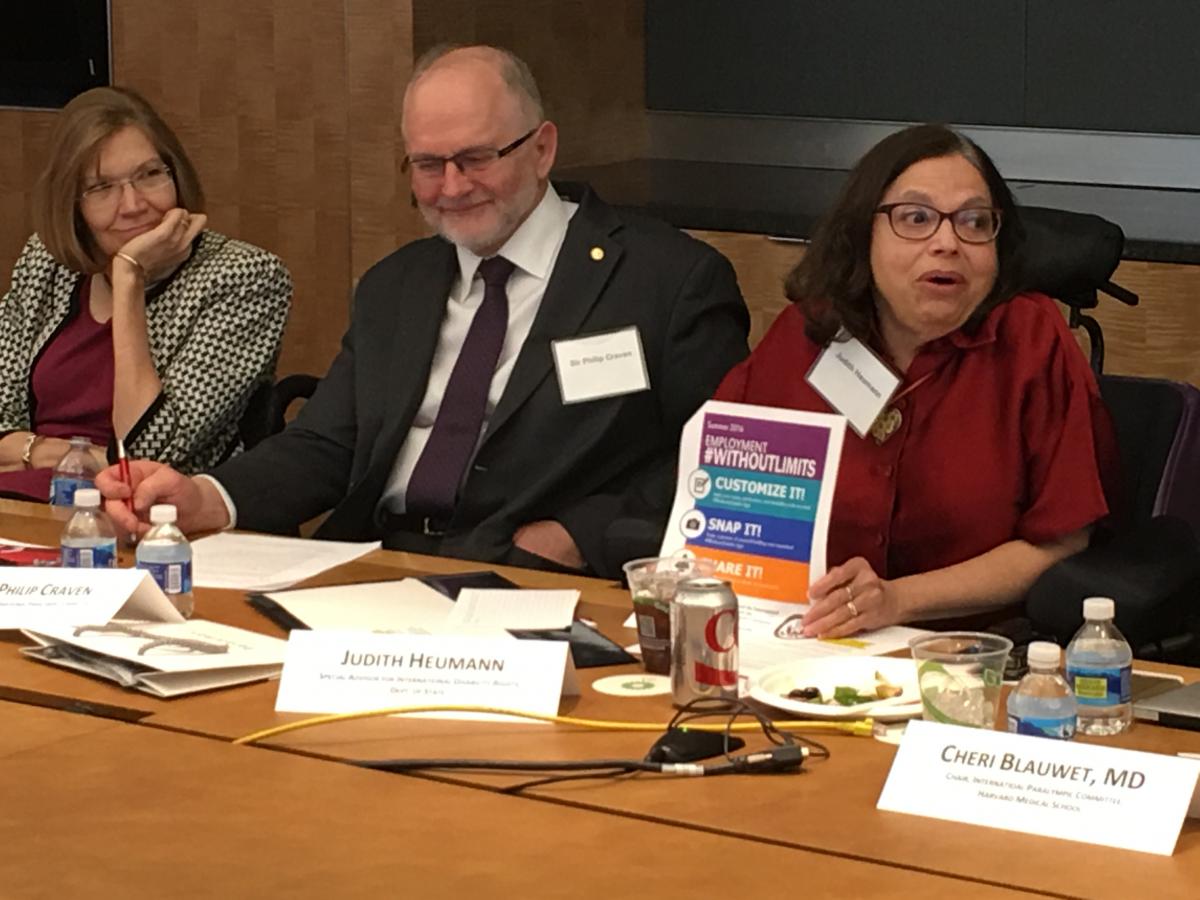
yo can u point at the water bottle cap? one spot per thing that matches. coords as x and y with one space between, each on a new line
1099 608
1043 653
88 498
161 513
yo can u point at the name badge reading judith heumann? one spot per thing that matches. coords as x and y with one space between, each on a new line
854 381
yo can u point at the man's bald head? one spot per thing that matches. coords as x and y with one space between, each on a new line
482 59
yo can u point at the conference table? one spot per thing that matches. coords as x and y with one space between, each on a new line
145 793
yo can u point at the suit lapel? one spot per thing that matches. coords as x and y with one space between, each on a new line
575 285
422 303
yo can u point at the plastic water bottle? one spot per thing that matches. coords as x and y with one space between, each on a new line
77 469
89 541
1042 704
1099 663
166 554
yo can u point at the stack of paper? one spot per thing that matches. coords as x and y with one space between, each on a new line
258 562
165 659
410 607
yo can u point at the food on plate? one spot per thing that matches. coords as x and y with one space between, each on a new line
844 695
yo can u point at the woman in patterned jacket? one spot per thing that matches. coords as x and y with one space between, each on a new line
126 319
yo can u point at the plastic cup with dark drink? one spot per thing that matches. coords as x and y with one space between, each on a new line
652 583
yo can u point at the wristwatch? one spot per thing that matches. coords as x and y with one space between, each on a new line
27 453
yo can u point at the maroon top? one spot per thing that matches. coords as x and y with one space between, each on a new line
72 392
1005 437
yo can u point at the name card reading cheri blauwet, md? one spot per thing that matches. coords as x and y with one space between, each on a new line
37 597
1081 792
354 671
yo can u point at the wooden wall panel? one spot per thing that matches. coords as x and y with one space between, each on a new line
587 56
762 264
23 138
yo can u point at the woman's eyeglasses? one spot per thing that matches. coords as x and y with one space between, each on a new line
146 180
918 222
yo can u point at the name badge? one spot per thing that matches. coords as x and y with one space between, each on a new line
600 365
854 381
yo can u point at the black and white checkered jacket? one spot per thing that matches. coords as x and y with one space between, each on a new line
214 327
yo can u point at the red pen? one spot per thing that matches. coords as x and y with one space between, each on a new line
123 468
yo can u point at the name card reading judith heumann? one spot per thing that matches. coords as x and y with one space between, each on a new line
354 671
1081 792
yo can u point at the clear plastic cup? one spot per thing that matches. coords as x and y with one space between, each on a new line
959 675
652 582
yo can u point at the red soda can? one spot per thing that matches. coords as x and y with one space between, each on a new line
704 641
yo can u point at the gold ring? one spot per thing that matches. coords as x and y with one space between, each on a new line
853 609
849 593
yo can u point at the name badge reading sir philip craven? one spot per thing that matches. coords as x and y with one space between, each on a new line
600 365
854 381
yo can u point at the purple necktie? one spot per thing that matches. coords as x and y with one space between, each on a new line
433 487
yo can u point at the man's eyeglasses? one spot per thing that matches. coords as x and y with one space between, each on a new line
149 178
471 160
918 222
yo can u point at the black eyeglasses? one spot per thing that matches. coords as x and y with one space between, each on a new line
473 159
918 222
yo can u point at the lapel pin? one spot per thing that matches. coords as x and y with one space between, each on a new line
597 253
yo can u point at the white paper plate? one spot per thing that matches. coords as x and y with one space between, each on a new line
828 672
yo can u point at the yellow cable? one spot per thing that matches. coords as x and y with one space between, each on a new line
857 727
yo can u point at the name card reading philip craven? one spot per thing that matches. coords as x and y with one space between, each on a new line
353 671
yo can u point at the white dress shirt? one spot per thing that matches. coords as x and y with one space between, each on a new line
533 249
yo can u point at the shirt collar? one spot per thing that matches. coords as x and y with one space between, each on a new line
531 247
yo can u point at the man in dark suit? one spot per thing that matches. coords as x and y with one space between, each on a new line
511 390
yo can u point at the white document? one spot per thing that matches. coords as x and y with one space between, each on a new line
41 597
754 495
766 637
600 365
353 671
769 634
257 562
854 381
405 605
1064 789
524 610
163 659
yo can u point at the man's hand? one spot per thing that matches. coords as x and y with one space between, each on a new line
850 598
199 505
549 540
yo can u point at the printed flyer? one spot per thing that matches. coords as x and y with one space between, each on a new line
754 495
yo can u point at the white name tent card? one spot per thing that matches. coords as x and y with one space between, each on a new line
165 659
1081 792
262 562
40 597
355 671
524 610
600 365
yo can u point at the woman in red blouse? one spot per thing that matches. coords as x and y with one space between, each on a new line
989 463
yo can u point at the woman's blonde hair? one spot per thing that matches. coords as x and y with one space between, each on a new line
82 126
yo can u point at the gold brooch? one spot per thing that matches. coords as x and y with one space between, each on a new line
886 425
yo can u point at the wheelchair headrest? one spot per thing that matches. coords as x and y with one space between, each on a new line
1069 255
